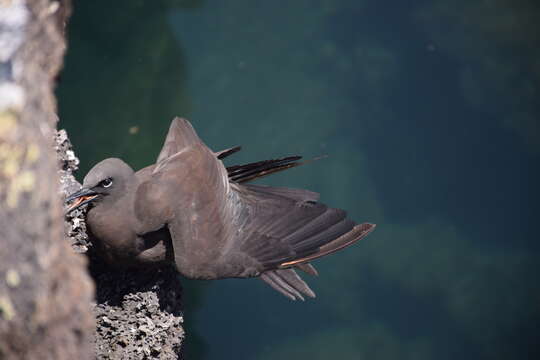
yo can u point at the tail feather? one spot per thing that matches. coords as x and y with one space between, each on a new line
287 282
308 269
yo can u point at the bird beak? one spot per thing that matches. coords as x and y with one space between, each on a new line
80 198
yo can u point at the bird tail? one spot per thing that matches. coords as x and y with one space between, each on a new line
287 282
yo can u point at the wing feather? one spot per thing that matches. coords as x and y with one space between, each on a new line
181 135
282 229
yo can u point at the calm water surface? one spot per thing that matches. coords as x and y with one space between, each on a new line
428 111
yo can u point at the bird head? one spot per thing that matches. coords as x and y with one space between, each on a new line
107 181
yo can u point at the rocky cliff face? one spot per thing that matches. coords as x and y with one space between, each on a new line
45 290
59 301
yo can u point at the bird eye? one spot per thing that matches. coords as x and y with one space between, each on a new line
106 183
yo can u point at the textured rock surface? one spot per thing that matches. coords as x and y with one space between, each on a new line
75 224
45 290
138 312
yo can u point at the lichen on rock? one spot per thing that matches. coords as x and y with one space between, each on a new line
68 163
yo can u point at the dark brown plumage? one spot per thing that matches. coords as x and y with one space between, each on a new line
191 210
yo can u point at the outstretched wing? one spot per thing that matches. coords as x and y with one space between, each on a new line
225 229
286 228
283 229
187 191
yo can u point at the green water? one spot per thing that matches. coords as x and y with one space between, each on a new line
429 113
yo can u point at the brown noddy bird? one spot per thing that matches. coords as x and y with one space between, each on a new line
190 210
